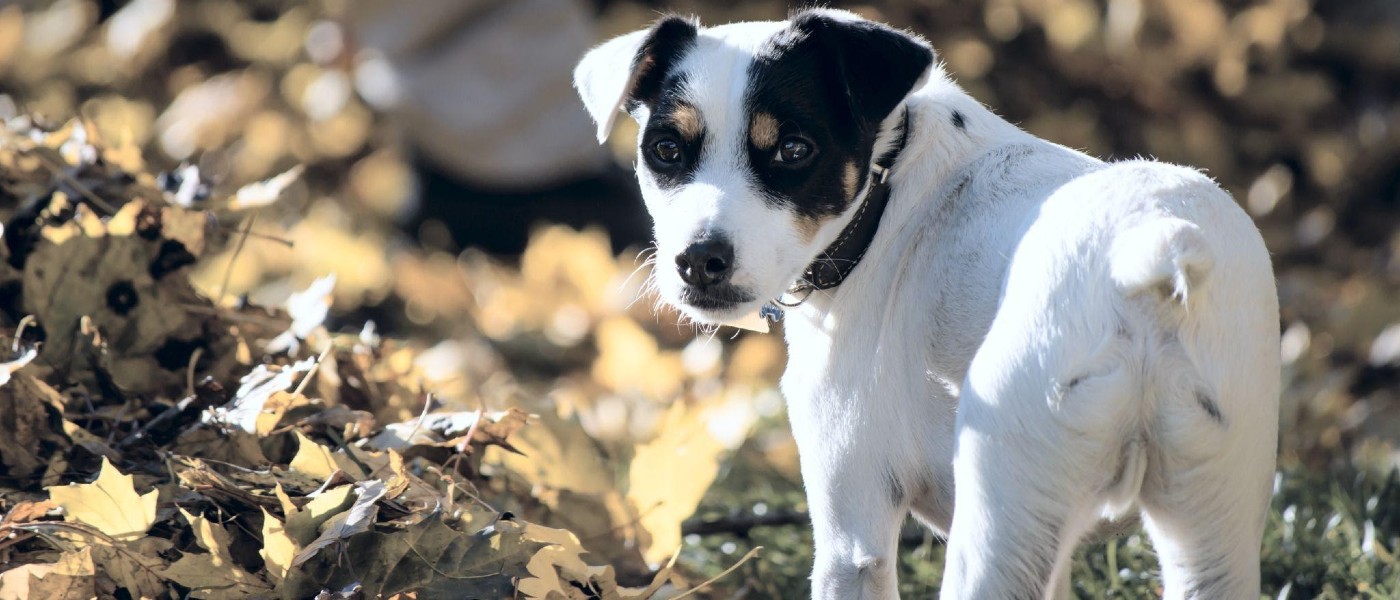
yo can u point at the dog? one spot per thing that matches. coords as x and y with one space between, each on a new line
1010 339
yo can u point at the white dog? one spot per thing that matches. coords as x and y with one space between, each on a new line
976 317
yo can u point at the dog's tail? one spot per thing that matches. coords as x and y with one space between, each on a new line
1166 256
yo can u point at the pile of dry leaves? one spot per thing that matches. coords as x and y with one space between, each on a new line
168 444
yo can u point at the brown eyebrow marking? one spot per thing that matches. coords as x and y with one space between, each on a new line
850 179
688 122
763 130
807 227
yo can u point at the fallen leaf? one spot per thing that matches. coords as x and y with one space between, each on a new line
110 504
430 557
210 576
254 389
344 525
671 473
278 549
31 417
302 525
214 575
263 193
72 577
7 368
318 461
308 309
27 511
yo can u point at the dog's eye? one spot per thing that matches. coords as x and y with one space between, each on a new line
667 151
793 151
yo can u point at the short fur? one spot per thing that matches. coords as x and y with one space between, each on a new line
1034 336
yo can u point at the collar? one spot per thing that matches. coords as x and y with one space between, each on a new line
837 261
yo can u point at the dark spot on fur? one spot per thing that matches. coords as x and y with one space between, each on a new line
1208 404
958 120
122 297
894 488
1208 586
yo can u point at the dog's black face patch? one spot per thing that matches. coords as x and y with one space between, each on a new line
817 96
653 66
674 139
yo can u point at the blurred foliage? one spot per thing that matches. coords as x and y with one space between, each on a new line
170 168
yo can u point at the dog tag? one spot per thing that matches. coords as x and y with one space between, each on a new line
758 320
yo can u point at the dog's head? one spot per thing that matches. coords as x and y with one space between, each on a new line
755 141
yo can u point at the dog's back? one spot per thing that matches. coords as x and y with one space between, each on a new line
1135 356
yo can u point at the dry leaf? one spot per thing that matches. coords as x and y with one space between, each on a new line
72 577
318 461
7 368
263 193
214 575
303 525
308 309
32 422
344 525
109 504
670 474
278 549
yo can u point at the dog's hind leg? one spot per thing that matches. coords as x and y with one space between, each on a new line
1215 376
1049 439
1028 487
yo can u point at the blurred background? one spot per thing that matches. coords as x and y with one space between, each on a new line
453 184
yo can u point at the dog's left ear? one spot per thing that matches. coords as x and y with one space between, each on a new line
877 65
630 68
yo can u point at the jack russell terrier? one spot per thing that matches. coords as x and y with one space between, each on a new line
1009 338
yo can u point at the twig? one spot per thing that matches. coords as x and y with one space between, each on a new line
741 525
418 425
189 371
237 249
15 539
262 236
696 589
339 441
19 331
215 311
306 379
77 185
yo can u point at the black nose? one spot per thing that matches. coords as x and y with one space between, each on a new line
706 262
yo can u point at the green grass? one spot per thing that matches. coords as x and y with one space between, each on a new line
1333 537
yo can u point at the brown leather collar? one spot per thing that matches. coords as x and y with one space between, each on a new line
837 261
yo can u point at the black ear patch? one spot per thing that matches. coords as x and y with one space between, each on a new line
877 65
669 40
829 82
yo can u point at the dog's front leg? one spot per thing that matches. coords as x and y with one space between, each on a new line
856 512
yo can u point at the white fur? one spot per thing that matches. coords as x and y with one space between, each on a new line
1044 329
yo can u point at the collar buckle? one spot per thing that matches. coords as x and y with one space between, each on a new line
882 174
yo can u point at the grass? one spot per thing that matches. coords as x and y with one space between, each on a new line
1328 536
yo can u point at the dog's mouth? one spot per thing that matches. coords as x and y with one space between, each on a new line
716 299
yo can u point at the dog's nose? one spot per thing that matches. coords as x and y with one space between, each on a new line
706 262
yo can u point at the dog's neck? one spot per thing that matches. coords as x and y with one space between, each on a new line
837 261
948 130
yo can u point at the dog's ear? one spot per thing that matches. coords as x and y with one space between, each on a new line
631 68
877 65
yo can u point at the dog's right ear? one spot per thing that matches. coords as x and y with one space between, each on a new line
631 68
